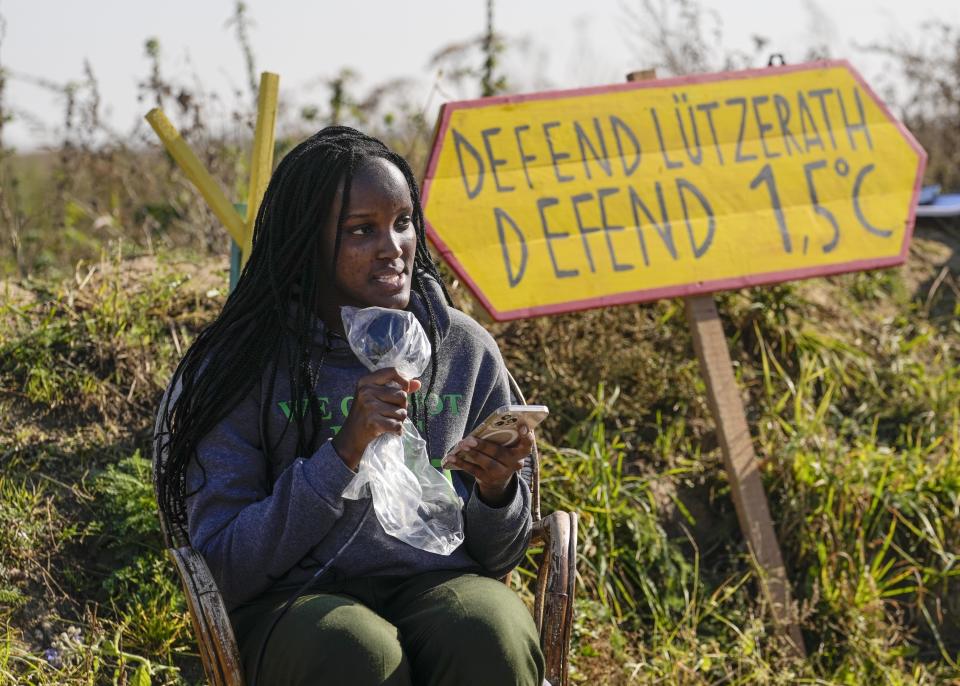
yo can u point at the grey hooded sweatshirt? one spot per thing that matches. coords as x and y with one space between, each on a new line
270 527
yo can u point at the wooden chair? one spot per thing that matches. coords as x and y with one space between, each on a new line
553 599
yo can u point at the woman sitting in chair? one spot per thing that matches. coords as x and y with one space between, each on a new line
266 421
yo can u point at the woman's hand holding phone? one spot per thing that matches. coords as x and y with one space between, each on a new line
491 464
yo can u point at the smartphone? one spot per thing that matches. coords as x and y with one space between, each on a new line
503 424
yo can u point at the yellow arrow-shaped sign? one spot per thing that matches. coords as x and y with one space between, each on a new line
559 201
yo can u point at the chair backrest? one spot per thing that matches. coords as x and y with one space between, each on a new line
172 536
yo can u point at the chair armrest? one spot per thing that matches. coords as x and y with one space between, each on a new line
554 596
218 646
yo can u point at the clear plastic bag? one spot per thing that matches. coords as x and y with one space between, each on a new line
412 500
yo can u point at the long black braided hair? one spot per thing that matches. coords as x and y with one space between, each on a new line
255 326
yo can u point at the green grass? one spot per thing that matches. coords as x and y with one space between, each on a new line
88 595
853 399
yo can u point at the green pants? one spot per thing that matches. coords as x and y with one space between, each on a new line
433 629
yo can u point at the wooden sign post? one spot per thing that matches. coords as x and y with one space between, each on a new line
740 461
560 201
239 227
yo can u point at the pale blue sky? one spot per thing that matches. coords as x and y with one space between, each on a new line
570 43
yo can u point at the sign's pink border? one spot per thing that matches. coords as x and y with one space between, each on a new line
648 294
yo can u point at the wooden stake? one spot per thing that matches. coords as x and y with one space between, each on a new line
261 167
739 459
261 159
197 173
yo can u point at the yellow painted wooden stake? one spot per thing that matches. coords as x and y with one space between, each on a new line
197 173
261 163
261 160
